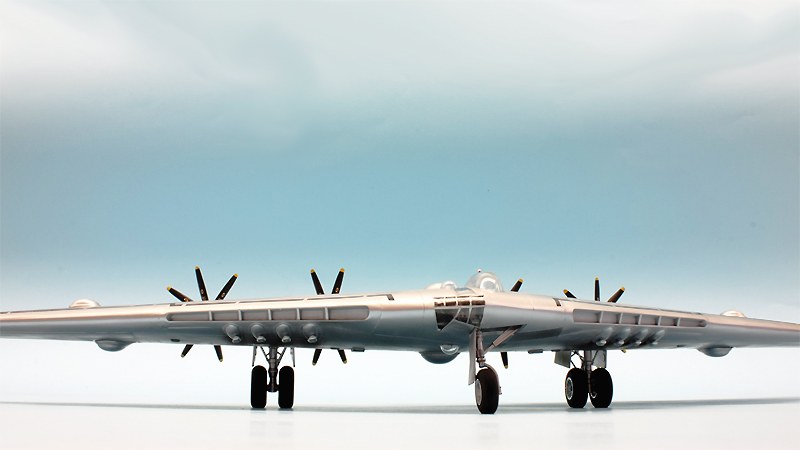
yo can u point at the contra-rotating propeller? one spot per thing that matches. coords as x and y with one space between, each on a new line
612 299
337 287
204 297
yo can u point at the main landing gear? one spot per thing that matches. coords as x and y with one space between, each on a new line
583 383
263 380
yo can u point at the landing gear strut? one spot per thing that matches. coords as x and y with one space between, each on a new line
583 383
263 380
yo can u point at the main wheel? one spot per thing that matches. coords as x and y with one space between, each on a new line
576 388
601 389
258 387
286 387
487 391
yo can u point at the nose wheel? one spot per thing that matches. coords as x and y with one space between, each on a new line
487 391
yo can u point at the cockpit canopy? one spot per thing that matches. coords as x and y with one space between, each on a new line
486 281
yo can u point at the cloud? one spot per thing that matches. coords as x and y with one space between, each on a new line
357 50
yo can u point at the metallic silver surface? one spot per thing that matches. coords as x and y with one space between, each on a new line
403 321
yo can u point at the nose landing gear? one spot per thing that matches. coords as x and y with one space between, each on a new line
487 385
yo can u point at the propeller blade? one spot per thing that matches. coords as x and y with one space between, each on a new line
517 285
616 295
568 294
317 284
343 356
314 360
178 294
337 286
224 291
186 350
597 289
218 351
201 284
504 356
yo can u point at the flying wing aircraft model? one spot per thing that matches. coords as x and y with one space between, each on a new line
439 322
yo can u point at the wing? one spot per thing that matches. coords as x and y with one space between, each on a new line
411 321
565 324
330 322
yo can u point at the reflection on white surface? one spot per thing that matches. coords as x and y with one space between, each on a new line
754 423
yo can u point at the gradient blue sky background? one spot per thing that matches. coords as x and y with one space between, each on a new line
652 144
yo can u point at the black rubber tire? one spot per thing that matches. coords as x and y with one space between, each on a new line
258 387
487 391
601 388
576 388
286 388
